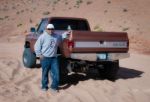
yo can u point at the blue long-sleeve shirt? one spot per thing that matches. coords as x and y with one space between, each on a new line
47 45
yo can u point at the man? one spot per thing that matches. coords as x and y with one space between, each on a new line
46 48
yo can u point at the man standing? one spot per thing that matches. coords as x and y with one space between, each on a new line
46 48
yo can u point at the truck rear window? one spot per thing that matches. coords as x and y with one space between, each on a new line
63 24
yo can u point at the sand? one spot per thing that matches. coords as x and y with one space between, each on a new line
20 84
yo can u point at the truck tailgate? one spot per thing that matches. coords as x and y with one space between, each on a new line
95 42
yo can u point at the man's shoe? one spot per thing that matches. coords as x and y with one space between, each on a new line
54 91
44 89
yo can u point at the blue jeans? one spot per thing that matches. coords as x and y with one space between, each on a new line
50 66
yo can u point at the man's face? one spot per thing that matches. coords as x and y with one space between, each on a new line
50 31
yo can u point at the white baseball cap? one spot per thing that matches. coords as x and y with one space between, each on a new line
50 26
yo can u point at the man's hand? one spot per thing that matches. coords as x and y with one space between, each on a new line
66 35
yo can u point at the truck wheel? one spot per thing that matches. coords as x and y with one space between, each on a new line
109 70
29 58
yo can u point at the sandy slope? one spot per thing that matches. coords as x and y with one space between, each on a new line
131 16
18 84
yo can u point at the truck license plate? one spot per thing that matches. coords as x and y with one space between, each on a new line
102 56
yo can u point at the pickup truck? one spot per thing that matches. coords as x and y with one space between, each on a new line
82 49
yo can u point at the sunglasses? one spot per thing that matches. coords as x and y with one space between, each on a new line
50 29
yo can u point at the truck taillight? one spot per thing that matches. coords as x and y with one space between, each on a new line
70 44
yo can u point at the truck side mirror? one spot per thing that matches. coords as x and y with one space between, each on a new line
32 29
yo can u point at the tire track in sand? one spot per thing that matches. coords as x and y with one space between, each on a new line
9 68
80 94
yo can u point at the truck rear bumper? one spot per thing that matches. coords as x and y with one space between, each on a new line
99 56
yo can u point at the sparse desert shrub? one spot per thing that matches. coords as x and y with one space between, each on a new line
55 2
89 2
97 28
19 25
5 8
22 11
125 10
125 29
6 17
66 3
34 8
17 12
46 13
6 2
138 29
37 25
105 11
1 18
30 20
13 7
76 6
109 2
18 4
78 2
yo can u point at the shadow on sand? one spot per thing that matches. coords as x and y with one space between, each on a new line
123 73
126 73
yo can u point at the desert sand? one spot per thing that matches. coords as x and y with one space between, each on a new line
20 84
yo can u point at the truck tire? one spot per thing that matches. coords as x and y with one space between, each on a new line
109 70
29 58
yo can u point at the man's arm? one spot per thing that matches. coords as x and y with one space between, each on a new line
38 47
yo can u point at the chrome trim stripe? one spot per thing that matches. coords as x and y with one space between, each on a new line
105 44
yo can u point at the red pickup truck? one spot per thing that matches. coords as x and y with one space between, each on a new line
83 49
